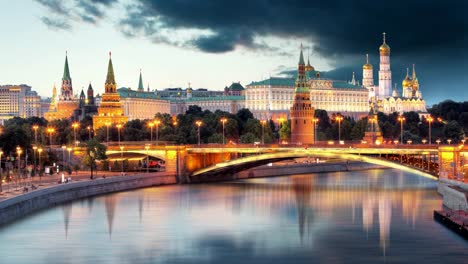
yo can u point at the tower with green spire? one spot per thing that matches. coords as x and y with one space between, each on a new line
302 112
66 92
140 84
110 110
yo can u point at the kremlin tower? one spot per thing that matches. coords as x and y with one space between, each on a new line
302 113
367 73
385 74
110 110
140 84
66 104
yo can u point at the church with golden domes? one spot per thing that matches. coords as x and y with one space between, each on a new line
386 99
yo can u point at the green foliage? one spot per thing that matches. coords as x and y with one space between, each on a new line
285 131
248 138
454 131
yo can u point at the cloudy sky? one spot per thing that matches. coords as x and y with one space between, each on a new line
211 43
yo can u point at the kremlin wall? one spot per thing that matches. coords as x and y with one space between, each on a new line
276 98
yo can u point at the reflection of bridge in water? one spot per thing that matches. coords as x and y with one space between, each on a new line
211 160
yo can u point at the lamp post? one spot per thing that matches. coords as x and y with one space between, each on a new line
315 120
121 157
69 154
34 156
50 131
401 119
263 131
39 151
449 141
35 128
151 125
19 151
198 123
429 121
63 153
1 153
119 126
156 123
107 130
89 132
147 158
339 119
438 141
75 125
223 120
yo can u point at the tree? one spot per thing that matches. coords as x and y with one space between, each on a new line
94 151
454 131
248 138
285 131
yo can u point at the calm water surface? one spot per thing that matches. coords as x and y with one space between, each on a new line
353 217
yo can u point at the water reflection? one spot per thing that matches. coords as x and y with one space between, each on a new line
363 217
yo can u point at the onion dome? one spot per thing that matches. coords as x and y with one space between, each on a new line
384 48
407 82
367 66
415 80
309 67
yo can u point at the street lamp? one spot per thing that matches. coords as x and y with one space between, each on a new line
19 151
438 141
151 125
198 123
50 131
147 158
119 126
34 156
449 141
156 123
223 120
401 119
315 120
429 120
339 119
89 132
107 129
424 141
35 128
263 131
69 153
39 151
121 157
75 125
63 154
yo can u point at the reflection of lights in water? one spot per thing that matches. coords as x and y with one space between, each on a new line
67 210
110 202
385 218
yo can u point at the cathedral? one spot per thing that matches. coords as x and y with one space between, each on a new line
386 99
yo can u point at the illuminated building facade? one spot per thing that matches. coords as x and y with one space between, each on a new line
19 101
66 105
110 108
301 111
138 104
388 101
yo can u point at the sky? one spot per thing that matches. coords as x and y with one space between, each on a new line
212 43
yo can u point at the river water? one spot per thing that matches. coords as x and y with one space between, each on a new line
346 217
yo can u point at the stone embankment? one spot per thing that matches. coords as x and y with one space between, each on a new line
19 206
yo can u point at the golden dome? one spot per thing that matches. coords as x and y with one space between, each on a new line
367 66
407 82
384 48
309 67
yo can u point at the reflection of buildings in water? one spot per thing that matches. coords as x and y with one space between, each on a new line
325 202
140 205
67 210
110 202
302 189
90 202
385 218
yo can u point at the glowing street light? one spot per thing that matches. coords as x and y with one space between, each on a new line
119 126
315 120
339 119
121 157
438 141
34 157
39 151
224 120
107 129
151 125
429 121
75 125
19 151
35 128
401 119
198 123
156 123
263 131
89 132
50 131
449 141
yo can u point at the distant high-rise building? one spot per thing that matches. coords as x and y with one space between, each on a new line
19 101
110 108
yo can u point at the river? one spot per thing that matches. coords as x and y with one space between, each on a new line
345 217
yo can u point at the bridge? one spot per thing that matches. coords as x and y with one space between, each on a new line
212 160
